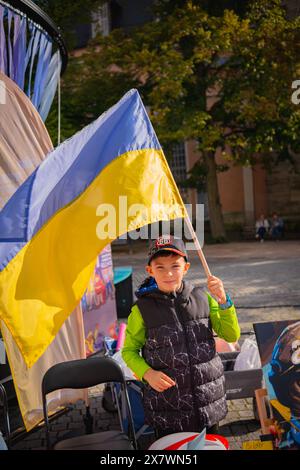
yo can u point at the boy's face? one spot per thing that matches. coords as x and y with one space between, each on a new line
168 271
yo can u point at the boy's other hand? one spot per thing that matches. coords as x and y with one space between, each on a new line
158 380
216 288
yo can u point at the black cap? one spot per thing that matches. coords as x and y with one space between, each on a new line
167 243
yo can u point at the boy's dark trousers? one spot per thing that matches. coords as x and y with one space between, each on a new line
161 433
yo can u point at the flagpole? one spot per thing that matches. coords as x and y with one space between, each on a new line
197 245
190 226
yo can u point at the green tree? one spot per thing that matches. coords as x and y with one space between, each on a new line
222 78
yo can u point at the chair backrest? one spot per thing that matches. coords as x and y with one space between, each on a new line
84 373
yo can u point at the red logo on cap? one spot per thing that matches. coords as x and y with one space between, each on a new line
163 240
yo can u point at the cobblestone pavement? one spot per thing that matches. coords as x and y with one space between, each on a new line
263 279
238 426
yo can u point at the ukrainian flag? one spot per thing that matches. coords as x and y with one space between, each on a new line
49 238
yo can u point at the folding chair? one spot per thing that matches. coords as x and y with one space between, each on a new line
135 393
5 440
85 373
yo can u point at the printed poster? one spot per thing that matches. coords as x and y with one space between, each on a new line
279 347
99 305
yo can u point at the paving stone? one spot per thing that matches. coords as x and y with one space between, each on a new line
21 446
230 406
33 443
103 422
76 426
238 429
65 420
249 406
231 416
58 427
240 406
80 406
76 419
254 436
234 446
241 266
73 413
103 427
246 414
62 434
112 418
240 439
239 402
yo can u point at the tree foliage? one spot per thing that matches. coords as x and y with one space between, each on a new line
220 76
248 63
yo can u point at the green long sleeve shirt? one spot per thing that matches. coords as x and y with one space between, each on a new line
224 323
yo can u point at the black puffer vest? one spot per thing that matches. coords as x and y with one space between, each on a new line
180 343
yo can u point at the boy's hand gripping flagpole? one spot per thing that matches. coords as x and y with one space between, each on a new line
201 255
198 247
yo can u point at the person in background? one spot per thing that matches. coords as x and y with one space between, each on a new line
262 227
277 225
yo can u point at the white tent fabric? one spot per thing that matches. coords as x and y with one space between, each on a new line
24 140
24 143
67 345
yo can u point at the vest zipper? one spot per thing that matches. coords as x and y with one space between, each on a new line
179 315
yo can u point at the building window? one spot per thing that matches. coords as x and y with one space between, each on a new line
101 21
178 162
178 167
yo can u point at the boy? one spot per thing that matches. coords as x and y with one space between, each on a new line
172 323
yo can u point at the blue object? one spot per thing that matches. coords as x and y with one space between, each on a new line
3 445
198 443
121 273
135 390
227 304
147 286
294 432
110 345
124 294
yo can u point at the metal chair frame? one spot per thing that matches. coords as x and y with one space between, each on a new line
6 416
84 373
